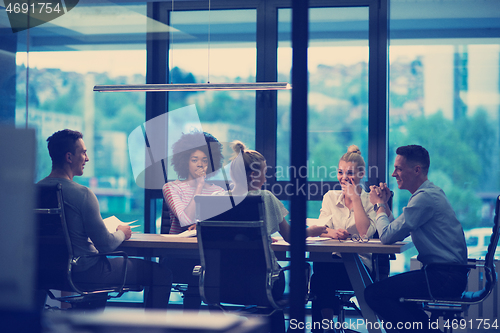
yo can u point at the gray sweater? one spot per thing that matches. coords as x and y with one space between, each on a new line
86 228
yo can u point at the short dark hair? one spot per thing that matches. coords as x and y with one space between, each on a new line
60 143
417 155
188 144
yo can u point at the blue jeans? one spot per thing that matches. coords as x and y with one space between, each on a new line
383 296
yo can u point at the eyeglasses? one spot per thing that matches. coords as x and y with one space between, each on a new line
356 238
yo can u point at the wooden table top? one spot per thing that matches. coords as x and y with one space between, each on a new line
162 241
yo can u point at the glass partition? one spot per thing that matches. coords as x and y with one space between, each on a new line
57 65
444 95
214 47
338 89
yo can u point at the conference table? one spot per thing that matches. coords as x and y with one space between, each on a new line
317 250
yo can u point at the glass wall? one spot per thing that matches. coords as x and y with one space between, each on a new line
337 96
444 90
57 65
216 51
444 95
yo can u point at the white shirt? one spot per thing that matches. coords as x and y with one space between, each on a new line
335 214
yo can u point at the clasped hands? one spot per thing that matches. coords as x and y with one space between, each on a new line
379 194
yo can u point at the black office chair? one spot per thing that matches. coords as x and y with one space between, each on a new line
55 255
236 259
453 308
165 218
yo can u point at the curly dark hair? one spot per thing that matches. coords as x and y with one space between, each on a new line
187 145
60 143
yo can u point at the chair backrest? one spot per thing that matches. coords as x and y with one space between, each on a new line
54 247
165 218
489 264
235 253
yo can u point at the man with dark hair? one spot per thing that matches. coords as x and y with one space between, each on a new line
60 143
437 235
88 232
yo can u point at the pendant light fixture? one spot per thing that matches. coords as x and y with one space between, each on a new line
195 86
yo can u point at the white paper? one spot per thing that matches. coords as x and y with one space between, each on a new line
113 222
310 240
187 233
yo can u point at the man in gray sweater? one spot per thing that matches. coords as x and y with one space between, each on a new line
88 232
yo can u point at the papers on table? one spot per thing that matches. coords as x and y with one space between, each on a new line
113 222
187 233
310 240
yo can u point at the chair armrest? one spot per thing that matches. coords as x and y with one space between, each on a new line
197 270
123 254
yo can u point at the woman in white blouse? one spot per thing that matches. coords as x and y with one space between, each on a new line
347 213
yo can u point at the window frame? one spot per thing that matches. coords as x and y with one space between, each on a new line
266 101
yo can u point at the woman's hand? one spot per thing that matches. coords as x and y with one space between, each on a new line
337 233
316 230
201 174
192 227
352 191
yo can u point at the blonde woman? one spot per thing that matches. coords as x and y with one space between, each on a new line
347 213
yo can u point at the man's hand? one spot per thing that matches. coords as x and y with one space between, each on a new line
126 230
379 194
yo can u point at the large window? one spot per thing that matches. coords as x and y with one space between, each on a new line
216 46
444 90
444 95
57 65
337 93
338 88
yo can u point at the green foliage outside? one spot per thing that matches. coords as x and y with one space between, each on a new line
460 164
462 150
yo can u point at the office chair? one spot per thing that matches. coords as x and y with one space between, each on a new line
55 255
236 258
165 218
453 308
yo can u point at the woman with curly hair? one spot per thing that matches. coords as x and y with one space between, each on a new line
196 157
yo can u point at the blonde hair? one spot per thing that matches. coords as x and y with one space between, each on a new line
252 160
354 155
